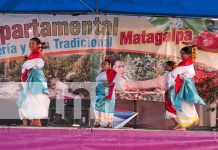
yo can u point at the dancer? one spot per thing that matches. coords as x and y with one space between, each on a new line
170 109
105 95
184 94
33 101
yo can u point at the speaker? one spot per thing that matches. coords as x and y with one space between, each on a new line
84 115
70 111
59 122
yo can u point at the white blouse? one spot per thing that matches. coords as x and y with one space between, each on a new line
117 80
184 72
36 63
103 77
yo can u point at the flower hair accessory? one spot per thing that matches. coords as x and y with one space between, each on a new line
108 58
174 65
194 54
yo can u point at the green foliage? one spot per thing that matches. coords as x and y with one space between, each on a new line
143 67
208 90
196 25
159 20
84 67
14 70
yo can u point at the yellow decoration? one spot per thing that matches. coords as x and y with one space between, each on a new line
194 54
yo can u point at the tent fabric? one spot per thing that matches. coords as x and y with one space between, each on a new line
46 5
193 8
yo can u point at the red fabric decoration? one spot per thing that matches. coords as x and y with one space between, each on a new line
110 77
178 80
34 54
169 107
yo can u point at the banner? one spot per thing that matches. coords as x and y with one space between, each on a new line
64 33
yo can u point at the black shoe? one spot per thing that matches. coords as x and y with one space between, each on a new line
97 125
108 126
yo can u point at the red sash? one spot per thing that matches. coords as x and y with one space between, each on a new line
34 54
169 107
178 80
110 77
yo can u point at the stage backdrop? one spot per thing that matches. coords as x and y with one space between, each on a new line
141 46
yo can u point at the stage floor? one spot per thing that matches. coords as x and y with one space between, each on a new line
62 138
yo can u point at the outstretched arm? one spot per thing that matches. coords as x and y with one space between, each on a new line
146 84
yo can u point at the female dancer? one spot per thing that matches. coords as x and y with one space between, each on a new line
182 90
105 95
170 109
33 101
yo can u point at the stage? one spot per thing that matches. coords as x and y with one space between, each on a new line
55 138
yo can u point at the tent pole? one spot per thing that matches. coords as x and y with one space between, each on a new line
96 6
87 6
